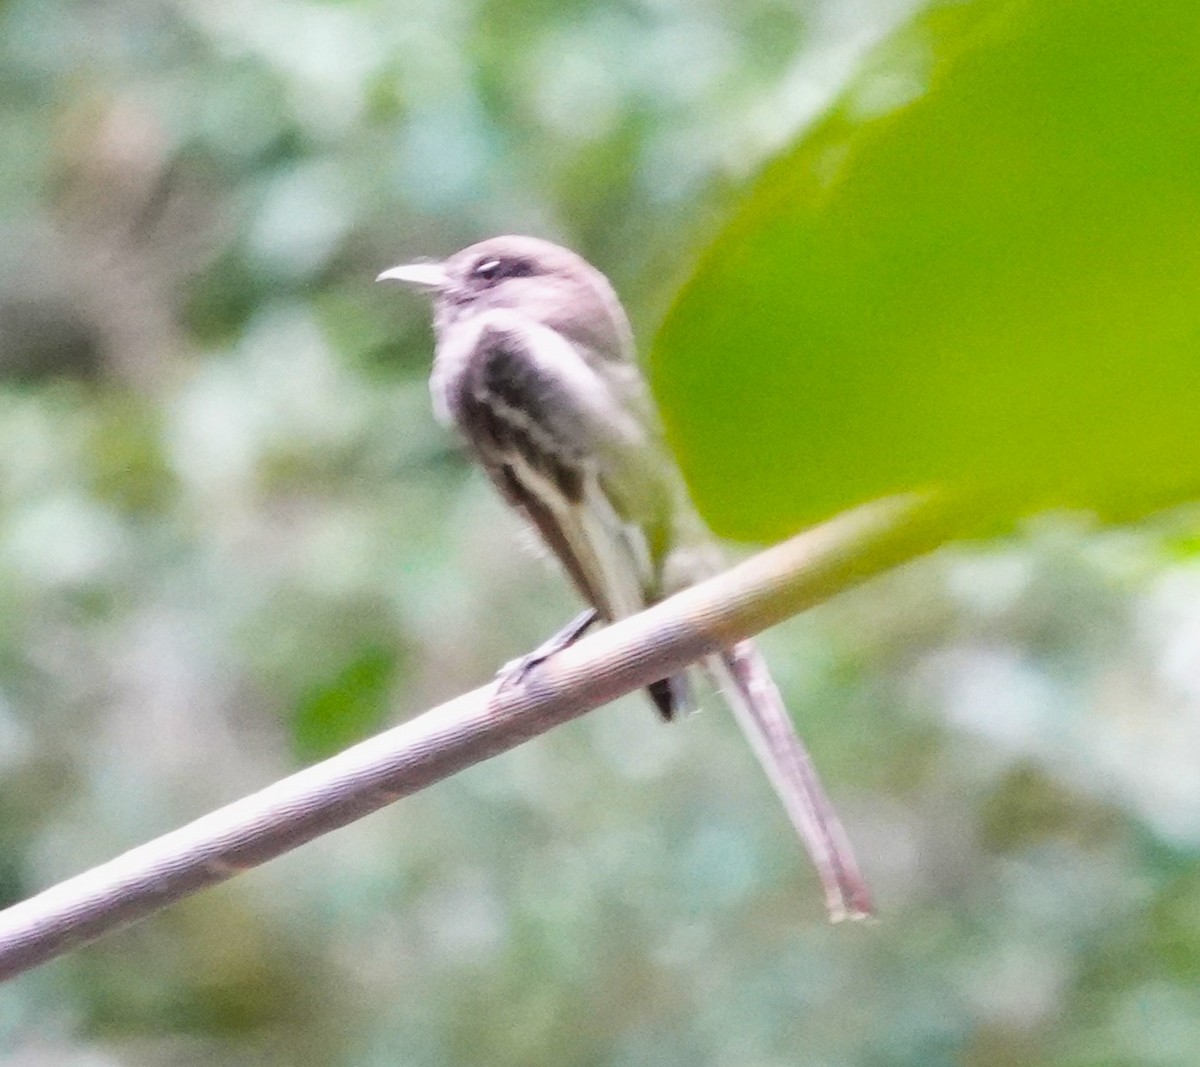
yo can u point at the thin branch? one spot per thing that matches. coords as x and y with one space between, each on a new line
759 592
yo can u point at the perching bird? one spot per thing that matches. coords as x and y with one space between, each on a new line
535 366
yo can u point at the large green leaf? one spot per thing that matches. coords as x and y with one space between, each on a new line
981 272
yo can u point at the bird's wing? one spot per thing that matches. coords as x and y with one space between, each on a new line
525 418
539 419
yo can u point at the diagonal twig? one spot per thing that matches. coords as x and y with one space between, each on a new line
761 591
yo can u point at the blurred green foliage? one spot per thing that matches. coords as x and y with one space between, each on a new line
232 539
979 272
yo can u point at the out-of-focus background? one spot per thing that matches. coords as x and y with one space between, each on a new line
233 540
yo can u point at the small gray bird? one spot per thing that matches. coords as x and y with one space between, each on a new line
535 366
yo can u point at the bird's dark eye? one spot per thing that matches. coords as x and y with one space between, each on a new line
488 269
493 268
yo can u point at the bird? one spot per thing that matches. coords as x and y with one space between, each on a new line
535 367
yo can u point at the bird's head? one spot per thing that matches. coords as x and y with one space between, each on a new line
537 279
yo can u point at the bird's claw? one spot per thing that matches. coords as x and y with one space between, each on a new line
513 674
516 671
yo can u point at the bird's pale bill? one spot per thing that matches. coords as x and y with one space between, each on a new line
421 275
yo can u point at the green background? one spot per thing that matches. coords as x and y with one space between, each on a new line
980 273
232 538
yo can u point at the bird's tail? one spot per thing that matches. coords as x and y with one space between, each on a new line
742 674
671 697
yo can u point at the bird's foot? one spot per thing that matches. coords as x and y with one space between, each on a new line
515 671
